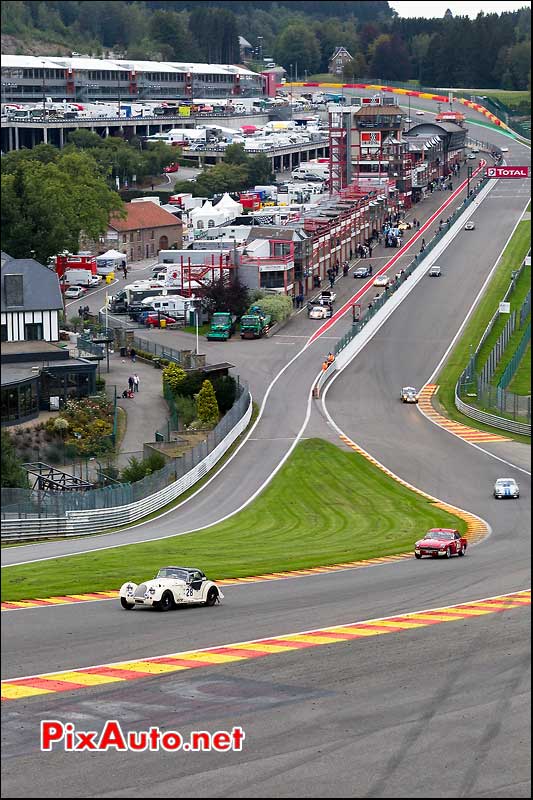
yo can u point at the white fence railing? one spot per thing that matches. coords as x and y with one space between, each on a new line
76 523
491 419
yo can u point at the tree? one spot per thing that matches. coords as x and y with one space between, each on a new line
167 29
173 377
260 170
13 474
236 154
227 293
420 47
46 207
221 178
206 404
298 45
390 59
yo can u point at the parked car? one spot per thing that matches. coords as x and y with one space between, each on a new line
171 168
95 280
363 272
435 271
172 586
419 113
471 156
409 395
75 292
470 226
154 319
441 543
506 487
381 280
504 149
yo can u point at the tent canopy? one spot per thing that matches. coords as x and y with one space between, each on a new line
113 254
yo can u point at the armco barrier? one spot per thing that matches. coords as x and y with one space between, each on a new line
76 523
491 419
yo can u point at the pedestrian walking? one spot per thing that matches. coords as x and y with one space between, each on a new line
135 382
130 383
133 355
418 224
80 312
370 250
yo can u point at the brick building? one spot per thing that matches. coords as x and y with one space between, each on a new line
144 231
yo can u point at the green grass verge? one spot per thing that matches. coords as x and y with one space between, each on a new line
512 257
521 383
306 517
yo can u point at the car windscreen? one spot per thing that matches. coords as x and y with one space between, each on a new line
172 572
439 535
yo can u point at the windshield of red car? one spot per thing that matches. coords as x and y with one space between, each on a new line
439 535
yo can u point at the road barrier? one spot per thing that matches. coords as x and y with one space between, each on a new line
95 510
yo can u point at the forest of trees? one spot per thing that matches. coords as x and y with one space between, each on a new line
491 51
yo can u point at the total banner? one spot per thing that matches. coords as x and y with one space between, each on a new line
507 172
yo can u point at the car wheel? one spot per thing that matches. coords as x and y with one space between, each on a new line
212 596
462 551
448 552
417 555
166 602
124 603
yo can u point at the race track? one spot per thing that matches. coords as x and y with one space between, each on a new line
432 712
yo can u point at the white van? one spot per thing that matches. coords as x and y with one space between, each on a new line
77 277
172 305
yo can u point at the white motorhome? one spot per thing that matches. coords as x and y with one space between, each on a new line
77 277
174 306
311 168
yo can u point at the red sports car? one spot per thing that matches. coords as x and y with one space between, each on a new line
171 168
154 320
441 543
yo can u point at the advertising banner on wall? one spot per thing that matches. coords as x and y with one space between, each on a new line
507 172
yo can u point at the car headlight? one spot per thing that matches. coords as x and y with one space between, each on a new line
151 590
442 549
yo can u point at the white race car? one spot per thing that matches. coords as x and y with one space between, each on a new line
320 312
172 586
506 487
409 395
381 280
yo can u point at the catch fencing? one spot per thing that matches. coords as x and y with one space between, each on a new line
476 380
30 514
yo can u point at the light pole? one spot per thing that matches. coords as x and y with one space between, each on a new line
44 92
260 48
469 175
118 92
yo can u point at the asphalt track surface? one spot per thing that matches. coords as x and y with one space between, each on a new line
444 713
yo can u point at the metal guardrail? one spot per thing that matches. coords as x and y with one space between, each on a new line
491 419
93 511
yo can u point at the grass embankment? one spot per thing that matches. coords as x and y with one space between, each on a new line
511 259
521 383
517 297
325 506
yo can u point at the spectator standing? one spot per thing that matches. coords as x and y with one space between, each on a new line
130 383
135 382
133 354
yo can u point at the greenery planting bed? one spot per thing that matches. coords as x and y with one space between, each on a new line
306 517
513 256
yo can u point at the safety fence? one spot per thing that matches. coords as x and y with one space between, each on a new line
29 514
476 385
403 274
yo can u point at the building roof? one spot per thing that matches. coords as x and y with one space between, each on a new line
40 287
143 215
378 111
244 42
338 51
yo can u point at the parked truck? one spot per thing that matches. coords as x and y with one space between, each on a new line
255 323
222 326
77 277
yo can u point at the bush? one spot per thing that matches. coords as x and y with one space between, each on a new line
191 384
13 474
186 408
137 470
53 455
100 384
279 307
225 390
173 377
206 404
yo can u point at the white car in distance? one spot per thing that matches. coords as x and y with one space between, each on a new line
381 280
172 586
506 487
